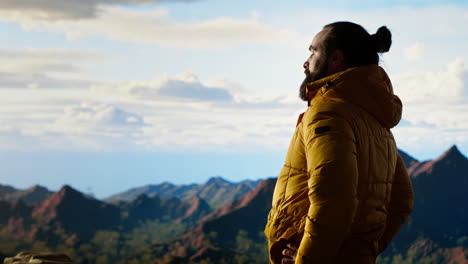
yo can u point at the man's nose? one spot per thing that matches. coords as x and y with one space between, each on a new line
306 65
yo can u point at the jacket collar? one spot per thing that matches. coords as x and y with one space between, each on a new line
367 87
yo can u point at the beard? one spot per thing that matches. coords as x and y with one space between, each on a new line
311 77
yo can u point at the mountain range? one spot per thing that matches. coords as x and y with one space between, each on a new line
40 219
216 191
195 231
31 196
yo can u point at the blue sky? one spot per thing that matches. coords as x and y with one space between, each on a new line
106 97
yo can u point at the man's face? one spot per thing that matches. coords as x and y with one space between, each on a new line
316 65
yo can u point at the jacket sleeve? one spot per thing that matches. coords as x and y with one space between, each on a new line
401 204
333 177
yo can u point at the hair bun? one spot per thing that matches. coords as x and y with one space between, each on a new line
381 40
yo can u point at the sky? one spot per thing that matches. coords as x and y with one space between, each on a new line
106 95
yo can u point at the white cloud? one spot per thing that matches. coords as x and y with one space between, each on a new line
98 115
243 120
435 106
87 126
13 138
156 27
68 9
232 86
188 115
442 87
190 88
46 68
220 129
185 86
166 122
38 80
415 52
93 126
182 112
50 55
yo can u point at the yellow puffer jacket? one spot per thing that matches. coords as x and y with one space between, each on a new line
343 192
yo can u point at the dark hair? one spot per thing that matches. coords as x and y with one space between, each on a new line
359 47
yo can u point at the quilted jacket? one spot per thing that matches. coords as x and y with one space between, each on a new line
343 192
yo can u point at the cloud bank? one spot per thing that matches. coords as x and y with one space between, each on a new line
446 86
155 26
182 112
53 10
46 68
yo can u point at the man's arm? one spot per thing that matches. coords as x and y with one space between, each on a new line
401 204
333 177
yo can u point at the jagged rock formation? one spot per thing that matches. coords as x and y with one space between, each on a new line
70 217
440 188
215 237
72 211
6 190
437 230
31 196
409 161
216 191
149 208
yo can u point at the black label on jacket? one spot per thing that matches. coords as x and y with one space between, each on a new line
321 130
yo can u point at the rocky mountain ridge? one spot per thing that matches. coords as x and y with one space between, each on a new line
30 196
69 216
217 191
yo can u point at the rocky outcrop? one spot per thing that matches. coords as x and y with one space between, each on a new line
74 213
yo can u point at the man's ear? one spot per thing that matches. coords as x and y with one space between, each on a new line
336 62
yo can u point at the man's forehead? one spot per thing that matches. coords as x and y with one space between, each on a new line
318 39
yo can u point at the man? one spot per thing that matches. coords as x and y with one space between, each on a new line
343 192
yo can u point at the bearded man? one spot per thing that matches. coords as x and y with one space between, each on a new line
343 192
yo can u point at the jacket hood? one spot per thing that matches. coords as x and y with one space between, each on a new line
367 87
